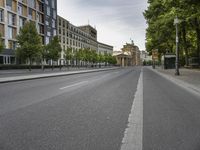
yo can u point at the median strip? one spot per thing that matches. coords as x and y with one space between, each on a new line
133 134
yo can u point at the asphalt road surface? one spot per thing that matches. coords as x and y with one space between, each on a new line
78 112
90 112
171 118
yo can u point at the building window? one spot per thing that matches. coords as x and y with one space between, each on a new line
30 13
53 3
59 31
9 4
47 2
54 32
41 7
47 22
53 23
31 3
54 14
47 40
11 19
48 11
41 18
1 15
20 10
21 22
2 30
49 33
64 32
60 22
10 32
12 45
41 28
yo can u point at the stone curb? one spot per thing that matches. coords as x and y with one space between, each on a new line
49 75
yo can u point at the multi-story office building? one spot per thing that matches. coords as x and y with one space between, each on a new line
80 37
71 36
104 48
14 14
92 32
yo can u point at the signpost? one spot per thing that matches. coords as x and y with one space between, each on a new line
176 21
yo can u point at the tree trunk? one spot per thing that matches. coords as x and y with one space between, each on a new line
42 67
30 64
52 65
185 43
60 66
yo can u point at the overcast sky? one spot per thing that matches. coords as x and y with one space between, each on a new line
116 21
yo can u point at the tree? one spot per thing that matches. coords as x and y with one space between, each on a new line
53 50
111 59
106 58
94 57
1 44
161 31
44 55
80 56
29 43
101 59
68 56
87 56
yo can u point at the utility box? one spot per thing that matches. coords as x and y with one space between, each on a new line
168 61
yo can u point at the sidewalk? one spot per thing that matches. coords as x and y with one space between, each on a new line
37 75
189 78
22 72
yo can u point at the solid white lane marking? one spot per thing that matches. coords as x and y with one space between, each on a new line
133 134
72 85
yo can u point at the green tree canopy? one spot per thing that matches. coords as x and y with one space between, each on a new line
54 49
160 33
29 43
68 54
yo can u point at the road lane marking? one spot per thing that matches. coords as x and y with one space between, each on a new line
72 85
96 78
133 134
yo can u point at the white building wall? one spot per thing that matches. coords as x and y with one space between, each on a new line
103 48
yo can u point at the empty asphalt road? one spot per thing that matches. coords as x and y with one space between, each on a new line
79 112
97 111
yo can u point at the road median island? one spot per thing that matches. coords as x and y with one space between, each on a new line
49 75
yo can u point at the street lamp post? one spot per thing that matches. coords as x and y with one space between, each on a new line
176 21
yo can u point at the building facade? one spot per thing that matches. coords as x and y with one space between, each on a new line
72 37
144 55
82 37
134 52
92 32
104 48
14 14
123 59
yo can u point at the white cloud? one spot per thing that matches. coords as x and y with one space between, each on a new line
116 20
